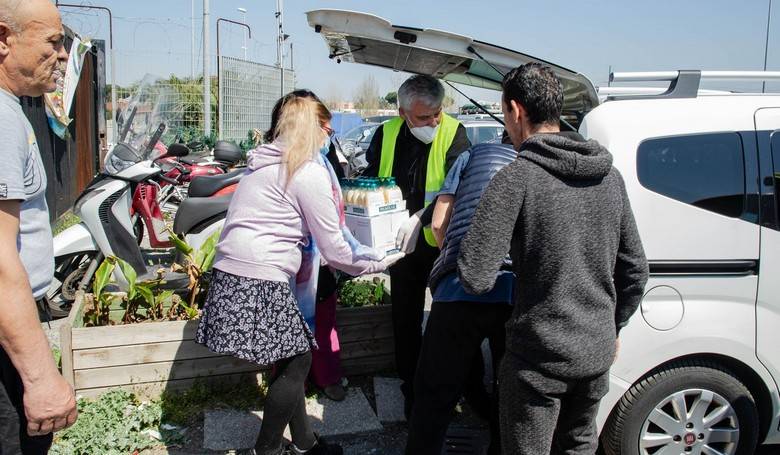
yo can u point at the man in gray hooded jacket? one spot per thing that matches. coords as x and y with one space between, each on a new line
562 212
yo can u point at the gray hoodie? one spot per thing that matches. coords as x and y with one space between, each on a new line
269 220
562 212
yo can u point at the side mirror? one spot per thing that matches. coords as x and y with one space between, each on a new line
366 132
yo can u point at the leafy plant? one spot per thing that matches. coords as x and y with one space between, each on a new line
114 423
185 406
98 313
197 264
359 293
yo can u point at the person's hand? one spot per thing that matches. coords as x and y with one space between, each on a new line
406 239
392 258
617 349
49 405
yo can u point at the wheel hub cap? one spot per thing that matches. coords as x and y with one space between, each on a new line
695 421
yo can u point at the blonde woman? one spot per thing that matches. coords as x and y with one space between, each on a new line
251 311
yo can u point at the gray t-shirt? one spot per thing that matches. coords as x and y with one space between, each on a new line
23 178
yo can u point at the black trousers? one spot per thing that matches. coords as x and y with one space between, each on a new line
451 349
543 414
13 423
408 282
286 404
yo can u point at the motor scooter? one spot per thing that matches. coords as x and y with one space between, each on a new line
105 206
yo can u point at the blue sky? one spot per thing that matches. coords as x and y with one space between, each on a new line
586 36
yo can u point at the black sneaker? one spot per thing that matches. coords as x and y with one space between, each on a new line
335 392
321 447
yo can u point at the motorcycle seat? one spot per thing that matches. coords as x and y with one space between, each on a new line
206 185
193 211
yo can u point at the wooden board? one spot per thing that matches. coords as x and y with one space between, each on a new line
153 356
351 316
144 332
367 348
139 354
356 332
161 371
372 365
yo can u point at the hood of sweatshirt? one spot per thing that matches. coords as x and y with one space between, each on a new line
568 156
264 156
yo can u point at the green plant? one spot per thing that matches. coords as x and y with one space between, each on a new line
57 354
185 406
98 313
198 263
114 423
358 293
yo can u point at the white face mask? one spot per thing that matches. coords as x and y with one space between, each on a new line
424 133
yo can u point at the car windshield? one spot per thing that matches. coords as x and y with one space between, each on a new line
484 134
356 133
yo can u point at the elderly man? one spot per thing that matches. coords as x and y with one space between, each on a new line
562 212
417 148
35 400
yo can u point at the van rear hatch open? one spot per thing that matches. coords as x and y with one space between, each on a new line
364 38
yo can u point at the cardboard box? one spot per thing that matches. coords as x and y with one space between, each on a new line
377 231
374 210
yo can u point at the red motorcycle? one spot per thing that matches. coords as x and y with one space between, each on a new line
183 178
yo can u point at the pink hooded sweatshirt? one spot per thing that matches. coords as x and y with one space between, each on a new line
268 222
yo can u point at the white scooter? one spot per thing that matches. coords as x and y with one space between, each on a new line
106 227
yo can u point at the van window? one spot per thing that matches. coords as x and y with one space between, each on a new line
704 170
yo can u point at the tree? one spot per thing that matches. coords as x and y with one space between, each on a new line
392 98
367 94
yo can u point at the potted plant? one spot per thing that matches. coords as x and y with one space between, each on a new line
365 326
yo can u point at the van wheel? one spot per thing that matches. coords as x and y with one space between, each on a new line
685 407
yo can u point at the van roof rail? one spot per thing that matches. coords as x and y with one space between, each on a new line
685 83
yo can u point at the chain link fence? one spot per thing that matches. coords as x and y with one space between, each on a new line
247 93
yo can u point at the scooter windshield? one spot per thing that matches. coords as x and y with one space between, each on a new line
147 121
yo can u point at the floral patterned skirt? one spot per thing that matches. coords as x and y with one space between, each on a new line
254 320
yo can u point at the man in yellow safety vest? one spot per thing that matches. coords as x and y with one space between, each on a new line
417 148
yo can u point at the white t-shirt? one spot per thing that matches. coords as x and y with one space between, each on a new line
23 178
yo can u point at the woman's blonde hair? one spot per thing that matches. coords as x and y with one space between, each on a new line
299 132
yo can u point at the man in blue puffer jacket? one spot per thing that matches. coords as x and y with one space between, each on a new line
458 322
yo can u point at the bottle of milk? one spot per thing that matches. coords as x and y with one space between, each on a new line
393 194
374 195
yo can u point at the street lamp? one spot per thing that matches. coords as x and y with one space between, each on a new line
243 11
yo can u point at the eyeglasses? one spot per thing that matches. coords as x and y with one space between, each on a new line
329 131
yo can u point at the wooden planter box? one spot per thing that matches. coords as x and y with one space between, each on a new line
150 357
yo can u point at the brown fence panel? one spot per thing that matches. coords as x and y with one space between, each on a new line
70 164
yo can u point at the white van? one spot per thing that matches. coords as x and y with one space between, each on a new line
699 361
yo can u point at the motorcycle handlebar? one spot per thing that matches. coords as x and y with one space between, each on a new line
168 179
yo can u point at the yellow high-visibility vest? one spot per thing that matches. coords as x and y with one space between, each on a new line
435 173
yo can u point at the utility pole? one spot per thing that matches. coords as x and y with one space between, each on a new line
206 75
766 46
192 39
243 10
279 43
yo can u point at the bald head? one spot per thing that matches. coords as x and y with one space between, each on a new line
31 46
9 11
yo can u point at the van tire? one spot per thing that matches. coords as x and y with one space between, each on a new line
621 434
